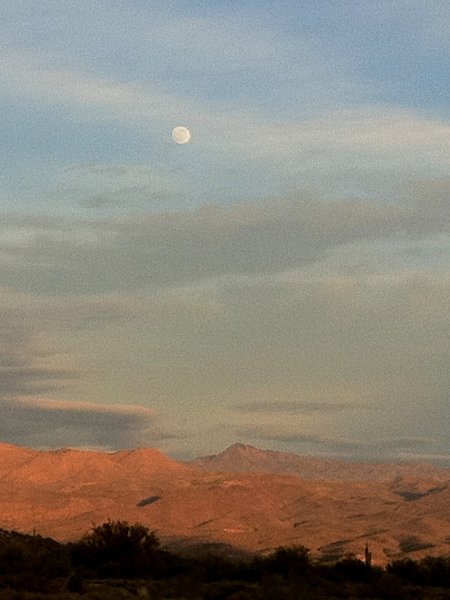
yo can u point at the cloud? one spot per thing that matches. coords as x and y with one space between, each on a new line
169 249
49 423
300 407
56 347
365 138
359 448
436 458
28 363
244 311
32 380
219 313
313 296
34 369
26 317
24 74
324 138
91 97
198 348
122 196
120 187
287 111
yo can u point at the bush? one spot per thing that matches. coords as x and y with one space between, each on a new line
117 549
30 562
289 562
352 569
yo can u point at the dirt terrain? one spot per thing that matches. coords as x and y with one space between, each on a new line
244 497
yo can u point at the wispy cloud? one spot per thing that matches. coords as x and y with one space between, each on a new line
172 248
371 137
50 423
28 364
400 446
135 104
166 294
301 407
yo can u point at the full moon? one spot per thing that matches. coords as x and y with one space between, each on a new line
181 135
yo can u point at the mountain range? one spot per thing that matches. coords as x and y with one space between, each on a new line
246 458
244 498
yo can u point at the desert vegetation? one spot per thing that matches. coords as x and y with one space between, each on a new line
117 560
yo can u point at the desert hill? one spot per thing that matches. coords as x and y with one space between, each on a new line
62 493
246 458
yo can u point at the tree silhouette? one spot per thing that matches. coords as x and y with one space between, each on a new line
290 562
116 548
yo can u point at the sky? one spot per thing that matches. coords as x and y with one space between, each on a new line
283 279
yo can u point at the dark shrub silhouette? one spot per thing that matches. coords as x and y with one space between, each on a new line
436 571
352 569
31 561
117 549
407 569
430 571
118 560
290 562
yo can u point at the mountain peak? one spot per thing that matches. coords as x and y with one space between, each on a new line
241 457
241 448
149 460
251 505
238 457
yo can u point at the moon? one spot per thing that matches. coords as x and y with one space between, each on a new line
181 135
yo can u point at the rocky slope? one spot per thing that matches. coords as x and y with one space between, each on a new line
246 458
63 493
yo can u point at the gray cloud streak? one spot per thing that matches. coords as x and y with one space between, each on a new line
338 445
175 248
23 369
297 407
27 376
55 424
213 306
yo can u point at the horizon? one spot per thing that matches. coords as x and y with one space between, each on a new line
441 463
226 221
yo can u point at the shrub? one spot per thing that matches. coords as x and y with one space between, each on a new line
117 549
290 562
30 562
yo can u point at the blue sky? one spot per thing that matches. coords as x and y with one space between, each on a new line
270 260
97 83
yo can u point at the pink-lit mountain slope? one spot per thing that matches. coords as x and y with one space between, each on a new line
63 493
243 458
